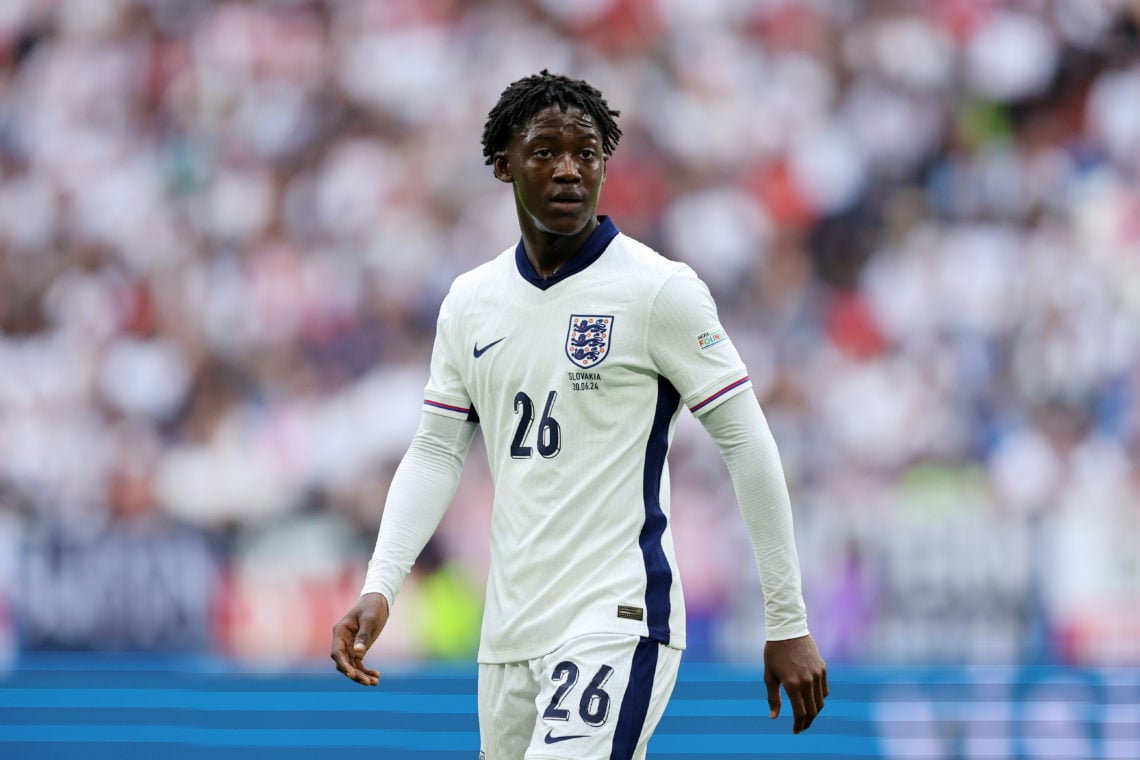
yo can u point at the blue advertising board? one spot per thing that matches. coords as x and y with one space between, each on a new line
69 706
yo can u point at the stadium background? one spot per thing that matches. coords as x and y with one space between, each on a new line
225 229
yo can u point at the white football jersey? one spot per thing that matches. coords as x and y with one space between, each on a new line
577 381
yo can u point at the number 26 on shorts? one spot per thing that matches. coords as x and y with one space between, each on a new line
594 705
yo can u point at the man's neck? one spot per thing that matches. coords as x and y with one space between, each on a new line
548 253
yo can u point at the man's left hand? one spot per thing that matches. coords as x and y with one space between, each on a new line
796 665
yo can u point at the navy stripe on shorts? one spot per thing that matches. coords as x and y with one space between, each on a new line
635 705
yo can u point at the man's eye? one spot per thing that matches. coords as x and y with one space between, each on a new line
588 153
543 153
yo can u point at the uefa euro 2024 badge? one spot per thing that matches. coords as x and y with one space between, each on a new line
588 339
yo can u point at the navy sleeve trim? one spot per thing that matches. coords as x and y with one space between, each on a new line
719 393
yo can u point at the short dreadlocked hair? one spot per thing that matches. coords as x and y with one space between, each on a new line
527 96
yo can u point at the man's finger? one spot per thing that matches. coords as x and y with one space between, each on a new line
796 697
773 685
811 707
364 637
361 674
369 675
340 657
818 692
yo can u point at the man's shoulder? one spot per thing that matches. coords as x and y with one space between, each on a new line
476 280
649 265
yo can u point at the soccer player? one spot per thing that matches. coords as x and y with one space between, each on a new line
575 350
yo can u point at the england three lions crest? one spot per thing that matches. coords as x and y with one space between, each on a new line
588 339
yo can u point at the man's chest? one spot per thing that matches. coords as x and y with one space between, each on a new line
585 352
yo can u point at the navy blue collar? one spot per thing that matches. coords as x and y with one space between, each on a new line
593 248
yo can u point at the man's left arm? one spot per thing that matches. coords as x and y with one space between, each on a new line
791 658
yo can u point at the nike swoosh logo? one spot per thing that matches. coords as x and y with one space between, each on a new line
555 739
480 351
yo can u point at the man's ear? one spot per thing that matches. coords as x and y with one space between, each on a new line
605 163
502 166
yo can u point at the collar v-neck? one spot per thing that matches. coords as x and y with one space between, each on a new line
590 251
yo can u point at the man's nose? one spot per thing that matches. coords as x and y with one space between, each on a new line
566 168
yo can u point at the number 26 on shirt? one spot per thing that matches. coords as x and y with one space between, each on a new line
549 438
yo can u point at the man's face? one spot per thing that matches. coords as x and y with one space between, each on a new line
556 165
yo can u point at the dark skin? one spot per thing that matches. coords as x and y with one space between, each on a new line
796 665
354 634
555 164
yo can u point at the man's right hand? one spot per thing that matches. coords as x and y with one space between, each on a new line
354 634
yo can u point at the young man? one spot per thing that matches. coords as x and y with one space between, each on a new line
575 351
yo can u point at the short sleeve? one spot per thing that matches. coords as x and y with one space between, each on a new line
690 347
446 393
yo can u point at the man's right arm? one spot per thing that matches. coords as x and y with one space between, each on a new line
421 491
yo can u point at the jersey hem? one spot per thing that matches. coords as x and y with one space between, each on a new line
660 635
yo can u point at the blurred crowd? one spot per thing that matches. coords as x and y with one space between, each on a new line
226 227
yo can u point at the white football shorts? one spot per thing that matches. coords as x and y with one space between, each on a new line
596 697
